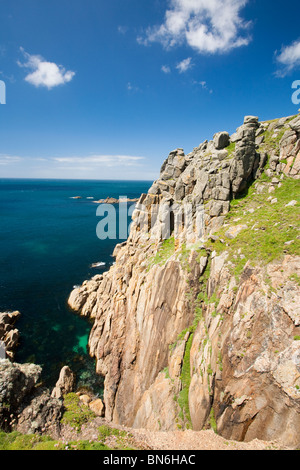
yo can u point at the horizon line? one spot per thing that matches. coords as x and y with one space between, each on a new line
69 179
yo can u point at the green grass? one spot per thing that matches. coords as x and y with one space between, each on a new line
76 414
231 149
275 225
183 397
18 441
166 250
212 420
295 278
122 438
273 139
184 257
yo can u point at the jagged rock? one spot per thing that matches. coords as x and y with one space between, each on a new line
174 165
9 335
42 415
255 390
251 120
274 160
17 382
259 140
244 360
65 383
217 208
24 405
179 191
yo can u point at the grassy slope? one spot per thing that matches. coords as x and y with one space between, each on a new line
270 225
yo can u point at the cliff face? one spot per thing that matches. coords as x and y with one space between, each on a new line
197 323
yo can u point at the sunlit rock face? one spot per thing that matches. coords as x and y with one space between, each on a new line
188 330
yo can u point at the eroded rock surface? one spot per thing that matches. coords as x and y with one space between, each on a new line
9 335
179 340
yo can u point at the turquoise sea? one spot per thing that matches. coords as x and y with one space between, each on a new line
48 243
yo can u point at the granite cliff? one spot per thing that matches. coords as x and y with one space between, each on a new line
197 324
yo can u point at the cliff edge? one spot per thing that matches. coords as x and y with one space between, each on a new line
197 324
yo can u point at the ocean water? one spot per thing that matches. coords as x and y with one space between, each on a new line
48 243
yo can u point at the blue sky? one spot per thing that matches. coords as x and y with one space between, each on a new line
106 89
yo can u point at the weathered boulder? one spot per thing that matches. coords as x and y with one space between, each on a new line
221 140
65 383
295 124
251 120
97 406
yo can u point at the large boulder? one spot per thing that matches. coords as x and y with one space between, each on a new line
221 140
295 124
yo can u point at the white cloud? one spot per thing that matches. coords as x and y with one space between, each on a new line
43 73
122 29
132 88
9 159
203 85
166 69
103 160
289 58
213 26
184 65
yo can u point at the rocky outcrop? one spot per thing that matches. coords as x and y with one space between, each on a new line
16 384
24 405
65 384
178 338
41 415
245 359
9 335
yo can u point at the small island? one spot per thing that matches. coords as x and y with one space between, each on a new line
112 200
